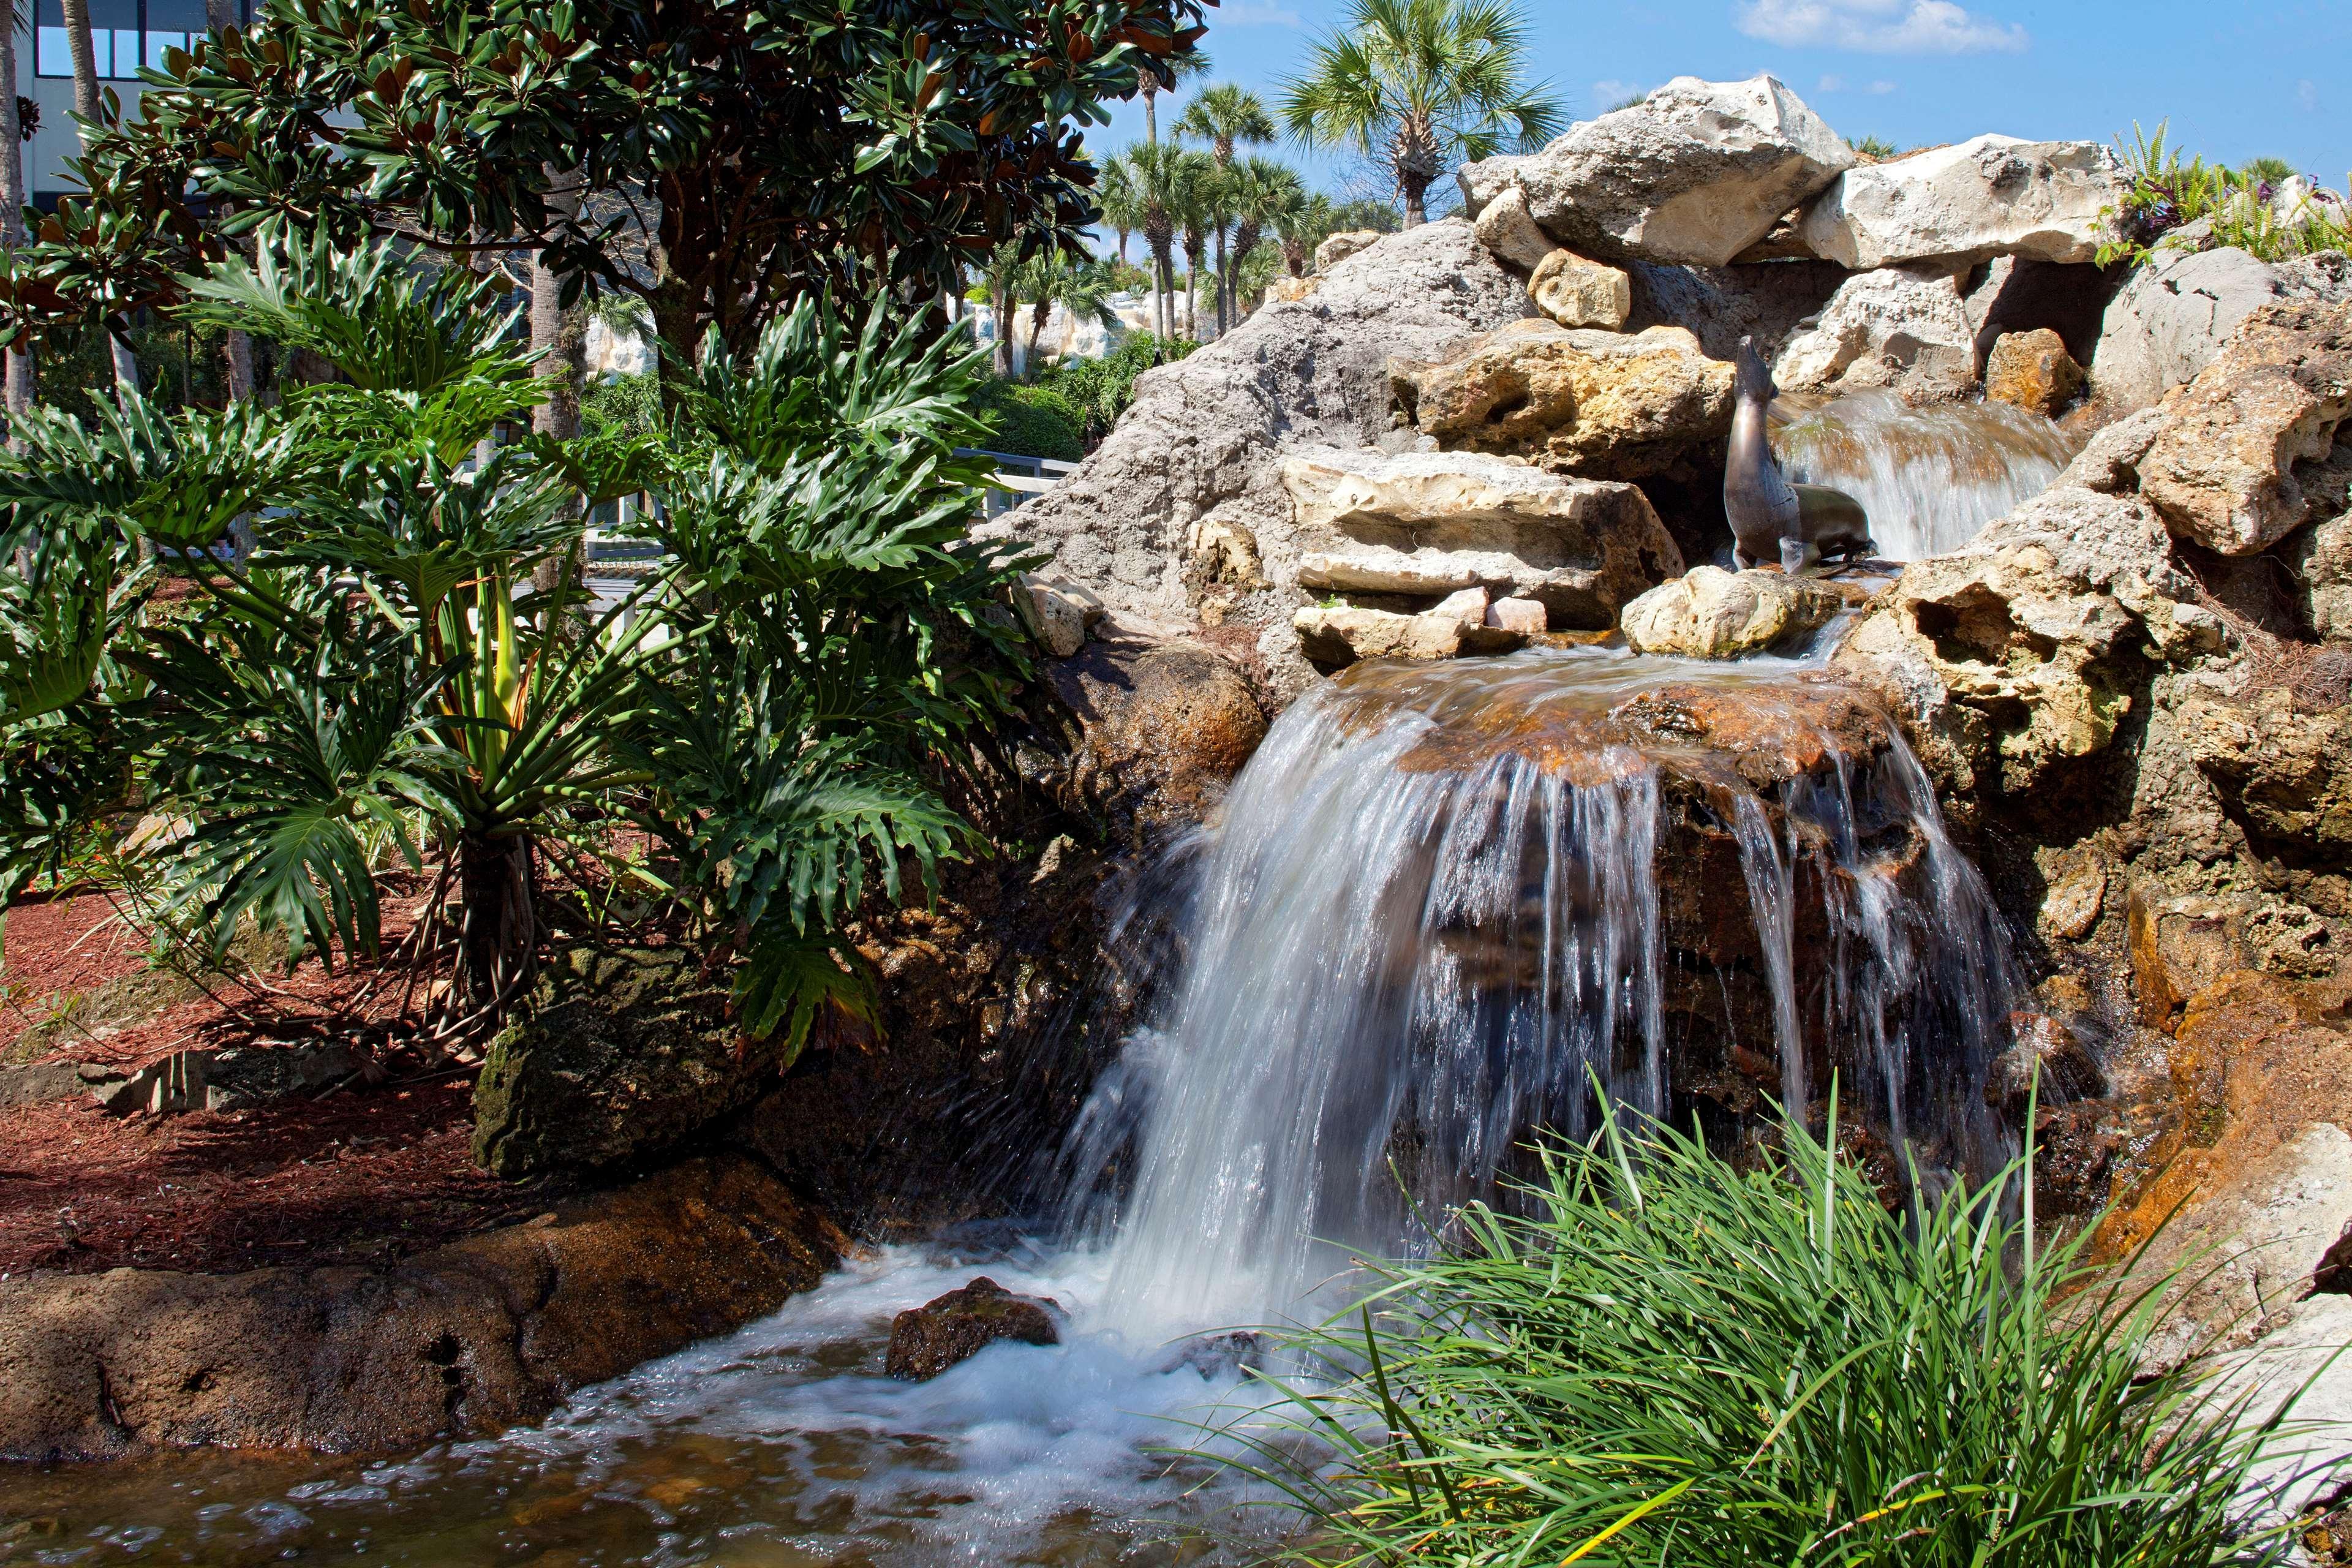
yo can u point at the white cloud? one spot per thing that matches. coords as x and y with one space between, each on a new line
1880 87
1254 14
1878 26
1830 84
1608 94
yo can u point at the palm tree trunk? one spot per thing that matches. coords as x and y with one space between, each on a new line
1148 80
1000 305
1224 279
558 339
12 196
1416 211
498 931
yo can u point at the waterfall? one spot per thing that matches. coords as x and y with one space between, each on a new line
1930 477
1442 901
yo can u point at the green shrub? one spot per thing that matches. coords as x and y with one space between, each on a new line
2168 195
1097 392
1675 1361
1033 422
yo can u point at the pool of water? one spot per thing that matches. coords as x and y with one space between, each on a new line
781 1445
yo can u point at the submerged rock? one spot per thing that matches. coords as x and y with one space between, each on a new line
1709 613
1697 171
926 1341
1993 195
1601 405
1433 522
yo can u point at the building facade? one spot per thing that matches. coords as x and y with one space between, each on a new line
124 35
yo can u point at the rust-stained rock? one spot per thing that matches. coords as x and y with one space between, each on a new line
2033 371
926 1341
2222 470
468 1338
1603 405
1156 731
2177 946
2285 774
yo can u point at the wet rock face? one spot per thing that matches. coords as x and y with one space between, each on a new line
926 1341
465 1339
1436 523
1153 731
1709 613
623 1053
1598 405
1697 173
2223 469
1994 195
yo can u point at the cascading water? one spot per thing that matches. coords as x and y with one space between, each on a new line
1445 901
1929 477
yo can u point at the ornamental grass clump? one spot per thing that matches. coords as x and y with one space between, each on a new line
1666 1359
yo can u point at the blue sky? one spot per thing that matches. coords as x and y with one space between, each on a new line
2237 79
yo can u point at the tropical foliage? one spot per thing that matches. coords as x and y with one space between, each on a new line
1671 1359
2173 204
755 733
1420 87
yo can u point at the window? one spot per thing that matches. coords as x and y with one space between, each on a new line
124 35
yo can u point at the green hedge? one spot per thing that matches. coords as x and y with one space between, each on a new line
1033 421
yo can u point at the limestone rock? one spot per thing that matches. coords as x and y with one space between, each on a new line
1203 441
1722 305
2109 462
1604 405
2033 371
1697 173
1337 635
1289 290
2323 560
42 1082
1227 553
1338 248
2173 316
1056 614
926 1341
1709 613
1994 195
474 1337
1432 522
1901 327
2285 775
1580 293
1526 616
2021 652
1505 229
2179 946
2221 471
623 1053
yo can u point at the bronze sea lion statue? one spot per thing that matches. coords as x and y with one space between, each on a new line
1803 524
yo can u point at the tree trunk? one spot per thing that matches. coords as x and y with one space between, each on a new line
1148 80
497 929
1415 212
1225 279
999 306
558 341
76 14
236 348
12 196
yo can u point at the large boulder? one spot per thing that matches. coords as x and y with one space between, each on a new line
624 1052
2173 315
1695 172
1151 733
1603 405
2023 651
1994 195
1713 613
1900 329
1202 443
2286 775
1433 522
2223 469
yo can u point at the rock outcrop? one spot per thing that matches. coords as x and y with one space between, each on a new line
1695 172
1426 523
1709 613
469 1338
2174 314
1900 329
2223 469
623 1053
1201 444
926 1341
1604 405
1994 195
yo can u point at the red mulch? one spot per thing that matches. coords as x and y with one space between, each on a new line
358 1176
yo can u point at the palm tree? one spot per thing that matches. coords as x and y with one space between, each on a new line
1263 194
1153 78
1301 229
1082 285
1225 116
1120 207
1159 176
1000 274
1418 86
1199 199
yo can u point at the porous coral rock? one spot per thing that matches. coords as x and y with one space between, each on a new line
1580 293
1992 196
